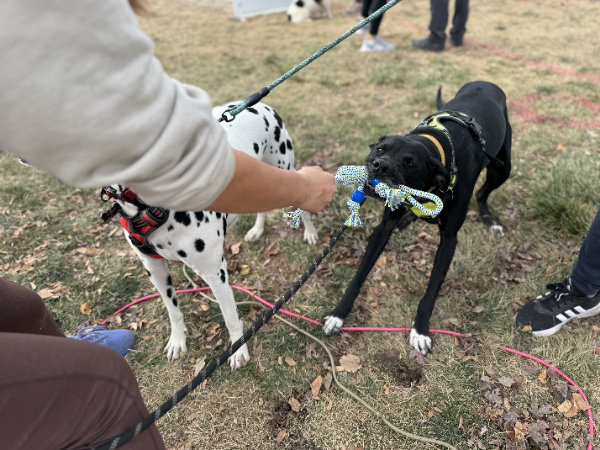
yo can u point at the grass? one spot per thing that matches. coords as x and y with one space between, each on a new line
50 232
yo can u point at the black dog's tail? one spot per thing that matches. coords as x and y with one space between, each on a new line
438 100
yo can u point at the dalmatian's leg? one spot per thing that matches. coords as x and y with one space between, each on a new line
159 274
310 232
216 277
257 230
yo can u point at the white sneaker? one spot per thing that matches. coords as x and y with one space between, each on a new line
365 29
376 45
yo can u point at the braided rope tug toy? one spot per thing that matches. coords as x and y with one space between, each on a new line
394 197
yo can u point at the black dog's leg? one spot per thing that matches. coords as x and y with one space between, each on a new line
419 335
377 242
495 177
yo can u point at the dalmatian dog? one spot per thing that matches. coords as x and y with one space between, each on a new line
196 238
305 10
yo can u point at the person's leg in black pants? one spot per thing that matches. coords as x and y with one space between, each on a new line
373 42
459 22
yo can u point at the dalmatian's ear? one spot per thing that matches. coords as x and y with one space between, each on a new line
22 161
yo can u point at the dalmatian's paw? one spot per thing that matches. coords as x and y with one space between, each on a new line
497 231
419 342
332 325
311 236
239 358
176 344
254 233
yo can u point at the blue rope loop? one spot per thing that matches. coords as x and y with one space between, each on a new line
229 115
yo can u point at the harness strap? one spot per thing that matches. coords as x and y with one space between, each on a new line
439 147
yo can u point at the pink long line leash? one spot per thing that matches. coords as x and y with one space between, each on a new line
453 333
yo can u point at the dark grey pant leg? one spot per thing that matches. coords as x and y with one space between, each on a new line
439 20
586 271
459 21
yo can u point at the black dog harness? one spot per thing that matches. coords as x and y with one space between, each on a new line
142 225
433 129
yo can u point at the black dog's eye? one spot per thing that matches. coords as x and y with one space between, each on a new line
379 150
408 162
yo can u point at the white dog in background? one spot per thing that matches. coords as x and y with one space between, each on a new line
305 10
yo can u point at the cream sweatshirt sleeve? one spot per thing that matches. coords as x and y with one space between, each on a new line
82 97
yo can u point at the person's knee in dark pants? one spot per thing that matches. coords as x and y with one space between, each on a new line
439 21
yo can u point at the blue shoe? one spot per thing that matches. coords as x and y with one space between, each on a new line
120 340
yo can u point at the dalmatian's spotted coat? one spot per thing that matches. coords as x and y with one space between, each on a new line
197 238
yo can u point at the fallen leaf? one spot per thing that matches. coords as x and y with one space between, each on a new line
327 381
315 386
597 351
280 360
561 147
330 405
508 382
86 308
549 270
478 309
199 366
281 436
542 376
261 402
245 270
565 407
567 350
579 402
430 414
386 389
526 328
460 422
290 361
146 338
350 363
235 248
46 293
204 307
436 409
506 404
381 262
295 404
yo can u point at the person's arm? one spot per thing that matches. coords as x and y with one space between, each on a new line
257 187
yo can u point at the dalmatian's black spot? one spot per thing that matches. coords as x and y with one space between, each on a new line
159 246
282 148
174 302
199 216
266 122
169 242
218 215
267 108
256 148
170 228
289 144
222 276
169 292
253 111
224 227
183 217
277 118
206 219
199 244
299 3
169 281
148 272
182 253
218 233
277 134
289 165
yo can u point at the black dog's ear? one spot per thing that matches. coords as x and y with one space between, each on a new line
440 177
381 138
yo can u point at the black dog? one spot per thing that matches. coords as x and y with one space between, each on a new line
445 153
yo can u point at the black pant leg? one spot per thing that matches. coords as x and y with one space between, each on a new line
439 20
375 5
459 21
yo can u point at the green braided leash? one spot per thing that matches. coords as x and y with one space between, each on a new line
394 197
252 100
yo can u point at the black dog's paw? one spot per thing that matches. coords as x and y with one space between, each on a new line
332 325
419 342
497 231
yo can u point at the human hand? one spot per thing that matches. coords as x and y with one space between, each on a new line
318 188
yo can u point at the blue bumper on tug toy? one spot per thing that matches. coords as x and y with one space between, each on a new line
394 197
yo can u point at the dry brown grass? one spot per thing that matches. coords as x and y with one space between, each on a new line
544 56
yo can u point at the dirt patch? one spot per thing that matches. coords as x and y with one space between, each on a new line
285 428
403 372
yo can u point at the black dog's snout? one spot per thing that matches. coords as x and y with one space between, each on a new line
380 165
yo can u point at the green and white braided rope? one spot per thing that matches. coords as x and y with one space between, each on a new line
349 175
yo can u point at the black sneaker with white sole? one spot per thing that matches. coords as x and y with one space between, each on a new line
562 303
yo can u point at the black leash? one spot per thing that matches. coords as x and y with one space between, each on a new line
208 371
